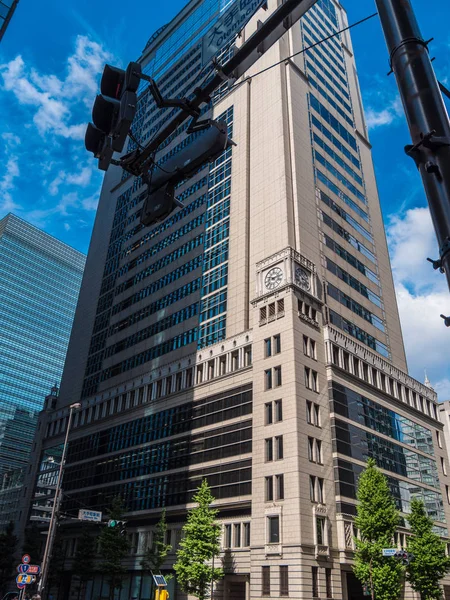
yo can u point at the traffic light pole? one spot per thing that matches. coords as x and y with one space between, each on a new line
266 34
426 115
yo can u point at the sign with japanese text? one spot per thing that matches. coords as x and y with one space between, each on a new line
89 515
227 26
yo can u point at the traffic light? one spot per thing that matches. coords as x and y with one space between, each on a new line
120 525
366 589
404 556
160 201
113 112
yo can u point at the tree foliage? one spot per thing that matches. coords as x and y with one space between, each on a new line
114 547
83 561
430 563
8 544
199 545
155 555
377 520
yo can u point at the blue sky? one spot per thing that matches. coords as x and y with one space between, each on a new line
50 60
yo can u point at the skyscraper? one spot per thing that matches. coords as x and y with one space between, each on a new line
253 337
7 8
40 279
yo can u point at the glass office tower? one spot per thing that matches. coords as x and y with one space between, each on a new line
253 337
40 280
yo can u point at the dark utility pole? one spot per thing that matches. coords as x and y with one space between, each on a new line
425 112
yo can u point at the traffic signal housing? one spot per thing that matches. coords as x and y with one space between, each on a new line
404 556
113 112
160 201
120 525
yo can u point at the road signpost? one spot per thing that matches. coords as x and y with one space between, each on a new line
229 24
26 558
90 515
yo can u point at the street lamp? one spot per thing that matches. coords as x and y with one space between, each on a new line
56 503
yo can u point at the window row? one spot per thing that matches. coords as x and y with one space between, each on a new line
336 156
335 124
345 216
316 489
272 378
353 282
360 409
274 310
160 264
274 448
334 140
315 451
355 307
274 487
151 289
358 333
266 588
340 194
313 414
236 535
309 347
352 260
307 311
272 345
311 379
273 412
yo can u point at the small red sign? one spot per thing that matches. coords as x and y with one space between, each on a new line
33 569
26 558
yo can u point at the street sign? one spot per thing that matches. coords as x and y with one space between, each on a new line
389 551
26 558
21 586
22 568
89 515
227 26
33 569
24 578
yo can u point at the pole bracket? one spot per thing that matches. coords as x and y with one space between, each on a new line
431 141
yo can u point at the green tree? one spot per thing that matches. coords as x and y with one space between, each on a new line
377 520
8 544
430 563
114 547
83 561
199 545
155 555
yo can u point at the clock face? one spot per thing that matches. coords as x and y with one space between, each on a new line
302 278
273 278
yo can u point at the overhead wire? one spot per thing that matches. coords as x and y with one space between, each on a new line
303 50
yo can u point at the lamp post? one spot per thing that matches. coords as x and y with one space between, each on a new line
56 503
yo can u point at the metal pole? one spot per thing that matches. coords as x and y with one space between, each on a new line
55 507
425 112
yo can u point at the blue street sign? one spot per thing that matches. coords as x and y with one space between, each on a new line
227 26
389 551
23 568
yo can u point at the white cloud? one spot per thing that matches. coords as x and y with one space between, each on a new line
385 116
81 179
53 99
422 295
7 185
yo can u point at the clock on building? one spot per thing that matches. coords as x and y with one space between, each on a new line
273 278
302 278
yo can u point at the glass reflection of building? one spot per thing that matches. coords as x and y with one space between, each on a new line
40 279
